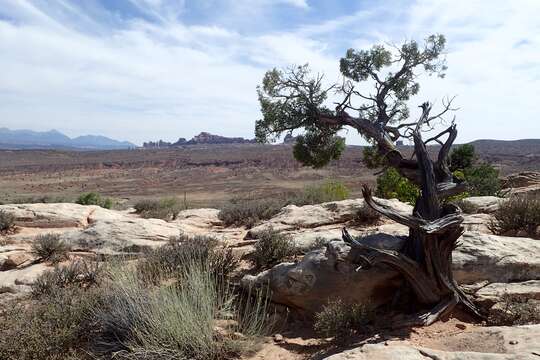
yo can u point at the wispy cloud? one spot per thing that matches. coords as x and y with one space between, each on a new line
148 69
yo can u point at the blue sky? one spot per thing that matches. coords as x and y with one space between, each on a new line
161 69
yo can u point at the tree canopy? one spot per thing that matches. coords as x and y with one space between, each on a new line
295 98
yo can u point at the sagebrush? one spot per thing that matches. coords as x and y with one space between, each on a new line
517 216
50 247
272 247
339 320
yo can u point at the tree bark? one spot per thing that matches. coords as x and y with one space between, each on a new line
435 227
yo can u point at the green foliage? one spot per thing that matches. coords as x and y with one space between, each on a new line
295 99
462 157
93 198
317 244
272 248
166 209
248 212
49 247
7 222
391 185
330 190
518 215
483 180
339 320
315 149
372 158
182 251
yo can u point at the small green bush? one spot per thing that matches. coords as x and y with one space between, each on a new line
462 157
483 180
93 198
249 212
79 273
339 320
391 185
272 248
166 209
328 191
182 251
49 247
517 216
7 222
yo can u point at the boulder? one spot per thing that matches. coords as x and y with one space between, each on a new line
295 218
493 343
330 273
496 258
492 293
14 259
522 180
62 215
482 204
477 223
523 184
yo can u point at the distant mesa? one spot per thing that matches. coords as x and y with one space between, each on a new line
201 139
53 139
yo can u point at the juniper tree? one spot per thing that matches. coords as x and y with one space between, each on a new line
295 98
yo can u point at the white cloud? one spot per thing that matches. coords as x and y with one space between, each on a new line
143 80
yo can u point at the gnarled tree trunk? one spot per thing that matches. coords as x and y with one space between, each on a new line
435 227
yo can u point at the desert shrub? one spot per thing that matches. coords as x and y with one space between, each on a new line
183 320
59 326
465 206
81 274
518 215
483 180
45 199
93 198
339 320
166 209
515 310
182 251
59 323
317 244
330 190
271 248
248 212
49 247
462 157
391 185
7 221
365 215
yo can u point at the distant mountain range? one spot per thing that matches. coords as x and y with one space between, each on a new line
28 139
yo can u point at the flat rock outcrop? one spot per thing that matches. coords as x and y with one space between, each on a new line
493 343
